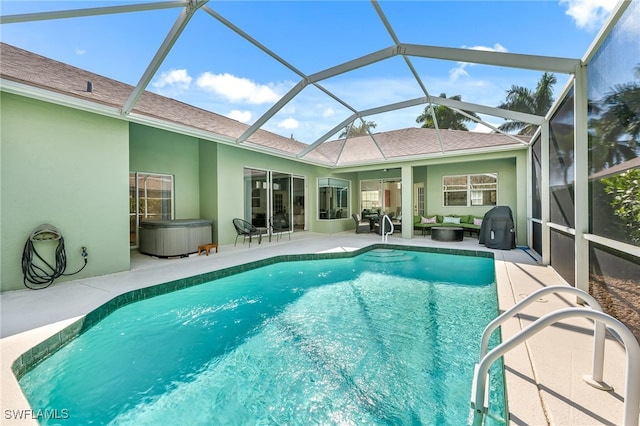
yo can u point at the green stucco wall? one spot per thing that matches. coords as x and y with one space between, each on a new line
512 186
230 197
160 151
208 183
68 168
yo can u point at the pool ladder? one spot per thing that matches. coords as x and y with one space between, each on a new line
479 391
385 235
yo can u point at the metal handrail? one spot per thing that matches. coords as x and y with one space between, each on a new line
632 387
386 218
599 335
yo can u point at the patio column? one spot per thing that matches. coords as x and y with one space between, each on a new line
581 179
522 198
407 201
545 192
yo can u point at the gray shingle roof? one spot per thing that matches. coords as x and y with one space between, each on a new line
28 68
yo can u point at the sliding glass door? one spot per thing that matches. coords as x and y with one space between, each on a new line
256 205
298 217
381 196
270 194
281 198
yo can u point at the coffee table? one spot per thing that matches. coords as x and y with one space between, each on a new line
447 233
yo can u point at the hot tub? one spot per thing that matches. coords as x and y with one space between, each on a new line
171 238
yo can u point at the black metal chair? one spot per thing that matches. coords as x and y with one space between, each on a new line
280 223
246 229
362 225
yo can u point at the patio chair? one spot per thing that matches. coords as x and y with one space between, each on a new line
361 225
246 229
280 223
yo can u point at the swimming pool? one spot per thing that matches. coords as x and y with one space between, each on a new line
385 337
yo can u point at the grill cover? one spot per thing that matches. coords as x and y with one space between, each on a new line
497 230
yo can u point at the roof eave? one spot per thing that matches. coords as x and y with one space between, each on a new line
435 155
47 95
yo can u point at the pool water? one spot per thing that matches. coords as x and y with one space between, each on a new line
387 337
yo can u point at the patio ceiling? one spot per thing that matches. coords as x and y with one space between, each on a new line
414 61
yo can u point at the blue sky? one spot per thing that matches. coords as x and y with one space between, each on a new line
213 68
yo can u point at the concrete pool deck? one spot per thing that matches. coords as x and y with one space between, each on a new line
544 374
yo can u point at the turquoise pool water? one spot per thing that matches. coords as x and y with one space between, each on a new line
387 337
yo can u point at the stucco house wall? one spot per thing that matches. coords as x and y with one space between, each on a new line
160 151
67 168
512 186
231 162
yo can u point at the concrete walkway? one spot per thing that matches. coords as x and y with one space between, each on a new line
544 375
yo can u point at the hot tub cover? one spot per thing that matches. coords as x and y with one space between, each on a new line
174 223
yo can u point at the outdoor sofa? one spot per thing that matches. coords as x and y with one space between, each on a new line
468 223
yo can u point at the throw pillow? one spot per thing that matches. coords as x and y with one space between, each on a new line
449 219
477 221
427 219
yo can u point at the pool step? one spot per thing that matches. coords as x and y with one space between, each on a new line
386 256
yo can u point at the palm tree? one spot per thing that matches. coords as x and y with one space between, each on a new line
536 102
446 117
357 130
617 125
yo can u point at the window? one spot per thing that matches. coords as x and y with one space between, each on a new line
381 196
333 198
370 199
150 198
470 190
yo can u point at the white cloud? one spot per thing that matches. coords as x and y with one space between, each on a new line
461 69
588 14
289 123
80 52
496 48
179 79
241 116
458 71
481 128
328 112
237 89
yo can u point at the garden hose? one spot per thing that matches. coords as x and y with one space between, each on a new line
41 275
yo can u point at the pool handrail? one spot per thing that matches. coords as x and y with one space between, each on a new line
632 388
385 235
595 379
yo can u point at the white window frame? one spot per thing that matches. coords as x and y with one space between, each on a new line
136 215
473 194
339 186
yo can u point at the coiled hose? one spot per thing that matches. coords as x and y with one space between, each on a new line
42 275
